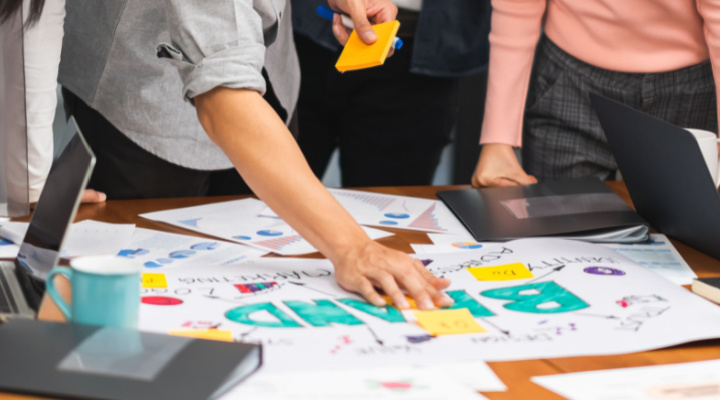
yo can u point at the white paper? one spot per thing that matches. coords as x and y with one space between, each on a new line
94 238
8 249
583 299
240 221
439 238
387 383
162 250
660 256
384 210
455 247
84 238
695 380
476 375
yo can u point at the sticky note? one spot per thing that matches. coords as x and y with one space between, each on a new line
154 281
358 55
507 272
410 301
209 334
448 322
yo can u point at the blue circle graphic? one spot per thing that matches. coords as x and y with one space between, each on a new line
242 237
181 254
205 246
152 264
388 222
397 215
269 232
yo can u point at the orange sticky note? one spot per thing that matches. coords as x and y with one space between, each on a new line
358 55
410 301
154 281
209 334
507 272
448 322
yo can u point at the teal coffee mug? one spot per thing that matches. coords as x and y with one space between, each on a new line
105 291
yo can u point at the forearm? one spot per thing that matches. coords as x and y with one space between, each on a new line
264 152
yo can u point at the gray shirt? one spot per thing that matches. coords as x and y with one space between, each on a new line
138 62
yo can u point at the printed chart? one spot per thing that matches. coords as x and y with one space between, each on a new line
534 298
241 221
161 250
384 210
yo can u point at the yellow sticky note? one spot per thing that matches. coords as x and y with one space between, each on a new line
507 272
154 281
448 322
410 301
358 55
209 334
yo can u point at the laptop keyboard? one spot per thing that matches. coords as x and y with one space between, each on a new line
7 303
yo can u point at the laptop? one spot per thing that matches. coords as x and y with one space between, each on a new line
665 174
22 282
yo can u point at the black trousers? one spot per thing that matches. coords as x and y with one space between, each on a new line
124 170
390 125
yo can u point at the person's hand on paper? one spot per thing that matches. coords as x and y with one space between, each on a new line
364 14
498 166
366 268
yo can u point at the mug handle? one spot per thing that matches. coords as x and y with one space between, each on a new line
54 294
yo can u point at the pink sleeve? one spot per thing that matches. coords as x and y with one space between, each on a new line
514 35
710 12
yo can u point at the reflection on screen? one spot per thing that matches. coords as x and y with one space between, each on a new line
56 207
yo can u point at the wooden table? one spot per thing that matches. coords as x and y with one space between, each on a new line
515 374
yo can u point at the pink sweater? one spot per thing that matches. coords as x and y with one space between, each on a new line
620 35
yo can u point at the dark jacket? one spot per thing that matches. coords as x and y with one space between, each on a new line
451 39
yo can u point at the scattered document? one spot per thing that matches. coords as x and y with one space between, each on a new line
660 256
582 299
162 250
85 238
384 210
385 383
241 221
95 238
695 380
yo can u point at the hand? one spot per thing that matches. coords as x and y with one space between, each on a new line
364 14
91 196
373 265
498 166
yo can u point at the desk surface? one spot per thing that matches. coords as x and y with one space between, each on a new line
515 374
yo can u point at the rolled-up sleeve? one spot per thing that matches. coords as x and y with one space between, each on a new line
215 43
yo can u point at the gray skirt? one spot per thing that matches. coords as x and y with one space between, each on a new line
562 137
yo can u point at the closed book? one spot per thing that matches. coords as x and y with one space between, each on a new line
583 209
708 288
88 362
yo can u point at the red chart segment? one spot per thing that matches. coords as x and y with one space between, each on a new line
161 301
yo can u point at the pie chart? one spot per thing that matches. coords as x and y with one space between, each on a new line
269 232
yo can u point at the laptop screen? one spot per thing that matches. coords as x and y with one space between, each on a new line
57 206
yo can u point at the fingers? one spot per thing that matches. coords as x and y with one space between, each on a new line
362 25
91 196
341 34
437 283
389 286
425 295
367 290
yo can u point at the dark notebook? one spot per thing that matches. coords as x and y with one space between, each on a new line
708 288
583 209
88 362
